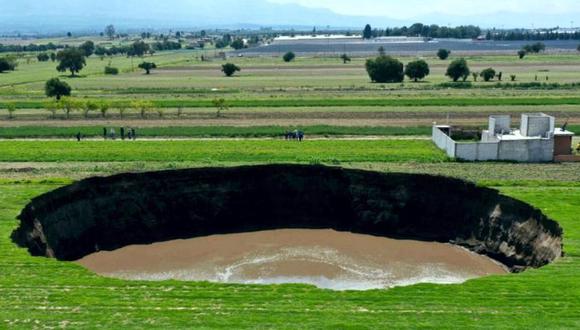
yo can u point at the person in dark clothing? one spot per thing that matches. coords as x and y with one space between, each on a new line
122 133
300 136
105 133
79 137
134 134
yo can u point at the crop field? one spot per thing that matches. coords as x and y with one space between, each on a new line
310 91
348 121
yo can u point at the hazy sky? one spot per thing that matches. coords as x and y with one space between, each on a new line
408 9
42 16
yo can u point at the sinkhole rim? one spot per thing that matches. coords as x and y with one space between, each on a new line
76 220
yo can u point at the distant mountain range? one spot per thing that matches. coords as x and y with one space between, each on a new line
66 15
33 16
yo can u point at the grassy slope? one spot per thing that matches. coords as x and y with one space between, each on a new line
37 292
239 151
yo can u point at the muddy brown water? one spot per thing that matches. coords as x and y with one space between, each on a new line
324 258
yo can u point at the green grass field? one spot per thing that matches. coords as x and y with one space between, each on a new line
324 98
211 131
326 151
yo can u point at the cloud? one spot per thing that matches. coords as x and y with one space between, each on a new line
424 8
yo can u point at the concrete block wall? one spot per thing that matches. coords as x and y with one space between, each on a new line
534 125
500 124
535 151
444 141
477 151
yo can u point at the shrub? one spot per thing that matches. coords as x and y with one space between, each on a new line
43 57
112 71
289 57
8 64
229 69
417 70
345 58
458 69
513 77
535 48
385 69
522 53
443 54
487 74
238 44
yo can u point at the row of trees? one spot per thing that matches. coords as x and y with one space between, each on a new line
520 34
426 31
70 105
386 69
28 48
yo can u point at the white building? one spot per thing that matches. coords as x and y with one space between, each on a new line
537 140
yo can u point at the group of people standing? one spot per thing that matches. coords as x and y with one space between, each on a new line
294 135
124 133
111 134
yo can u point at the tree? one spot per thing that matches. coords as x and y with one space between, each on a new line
104 107
229 69
69 105
521 54
138 48
8 64
487 74
56 88
289 57
52 107
220 105
110 31
143 107
147 66
71 59
53 57
385 69
475 75
89 106
458 69
578 49
43 57
443 54
88 47
417 70
345 58
368 32
11 108
238 44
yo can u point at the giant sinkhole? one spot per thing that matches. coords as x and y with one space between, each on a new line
107 214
